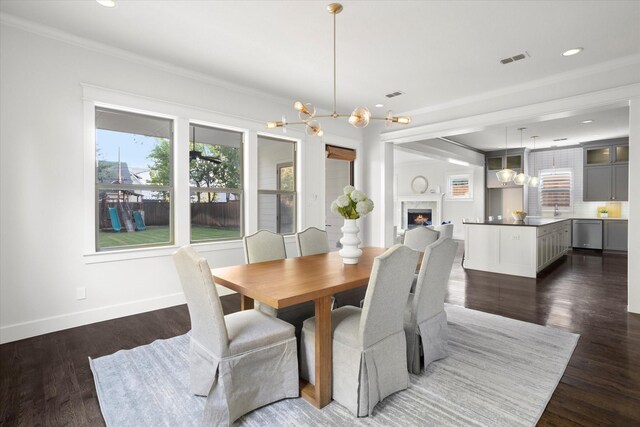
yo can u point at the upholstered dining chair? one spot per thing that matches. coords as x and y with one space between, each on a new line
369 344
241 361
445 230
312 241
419 238
263 246
425 321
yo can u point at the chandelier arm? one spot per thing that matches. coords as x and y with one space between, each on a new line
333 116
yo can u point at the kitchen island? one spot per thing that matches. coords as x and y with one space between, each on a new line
520 248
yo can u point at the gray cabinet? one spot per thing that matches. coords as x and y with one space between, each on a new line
620 190
606 171
597 183
616 235
496 160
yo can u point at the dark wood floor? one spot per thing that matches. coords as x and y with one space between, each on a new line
46 380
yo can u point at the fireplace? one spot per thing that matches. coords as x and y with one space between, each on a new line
418 217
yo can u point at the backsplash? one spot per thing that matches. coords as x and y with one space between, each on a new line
566 158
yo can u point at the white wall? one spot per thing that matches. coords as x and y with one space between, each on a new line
43 257
436 172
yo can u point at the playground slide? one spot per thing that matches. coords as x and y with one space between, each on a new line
115 220
137 217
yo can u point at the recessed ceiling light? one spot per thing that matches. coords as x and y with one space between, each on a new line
585 122
574 51
379 105
107 3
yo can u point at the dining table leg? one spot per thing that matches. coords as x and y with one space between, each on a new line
246 303
320 394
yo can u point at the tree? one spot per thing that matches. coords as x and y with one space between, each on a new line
159 171
202 173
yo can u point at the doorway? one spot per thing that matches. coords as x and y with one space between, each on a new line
339 171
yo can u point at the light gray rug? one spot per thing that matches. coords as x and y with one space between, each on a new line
500 372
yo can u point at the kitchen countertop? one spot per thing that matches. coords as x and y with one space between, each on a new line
528 222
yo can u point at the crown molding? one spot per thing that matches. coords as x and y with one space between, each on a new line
68 38
603 67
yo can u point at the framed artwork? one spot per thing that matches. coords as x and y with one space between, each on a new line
460 187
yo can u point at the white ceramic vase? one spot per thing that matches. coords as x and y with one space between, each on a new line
350 242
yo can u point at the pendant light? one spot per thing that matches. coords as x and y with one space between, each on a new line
535 181
359 118
505 175
521 178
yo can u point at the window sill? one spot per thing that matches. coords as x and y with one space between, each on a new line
156 252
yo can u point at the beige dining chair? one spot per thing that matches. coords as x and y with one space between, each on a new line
420 237
312 241
264 246
241 361
445 230
369 359
425 321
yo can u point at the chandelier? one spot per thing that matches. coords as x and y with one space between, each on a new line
359 118
535 181
521 178
506 175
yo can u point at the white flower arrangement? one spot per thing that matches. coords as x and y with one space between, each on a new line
353 204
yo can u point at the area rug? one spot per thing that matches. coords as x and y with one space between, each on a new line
500 372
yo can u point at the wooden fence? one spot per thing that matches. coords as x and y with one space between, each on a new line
216 214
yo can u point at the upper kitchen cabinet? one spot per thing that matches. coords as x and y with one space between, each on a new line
606 170
496 160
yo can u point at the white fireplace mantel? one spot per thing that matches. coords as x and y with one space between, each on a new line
427 199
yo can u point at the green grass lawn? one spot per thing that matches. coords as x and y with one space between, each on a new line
160 234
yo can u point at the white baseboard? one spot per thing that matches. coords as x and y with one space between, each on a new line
46 325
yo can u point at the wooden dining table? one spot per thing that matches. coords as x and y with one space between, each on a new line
291 281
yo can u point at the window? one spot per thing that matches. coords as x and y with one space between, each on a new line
215 180
555 188
133 179
276 185
459 187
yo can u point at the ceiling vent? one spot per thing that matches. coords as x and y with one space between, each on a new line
394 94
515 58
559 139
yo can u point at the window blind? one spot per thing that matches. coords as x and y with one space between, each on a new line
555 188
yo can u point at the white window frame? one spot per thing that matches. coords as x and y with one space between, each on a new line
241 190
170 188
466 198
551 172
182 115
296 175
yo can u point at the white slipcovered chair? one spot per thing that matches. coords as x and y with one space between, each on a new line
312 241
369 344
264 246
445 230
241 361
419 238
425 321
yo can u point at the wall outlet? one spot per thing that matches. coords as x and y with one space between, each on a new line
81 293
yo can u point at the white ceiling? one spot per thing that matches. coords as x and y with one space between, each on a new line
435 51
609 123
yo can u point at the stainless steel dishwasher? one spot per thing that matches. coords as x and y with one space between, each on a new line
587 233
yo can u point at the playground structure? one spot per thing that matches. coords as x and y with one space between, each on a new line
115 210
